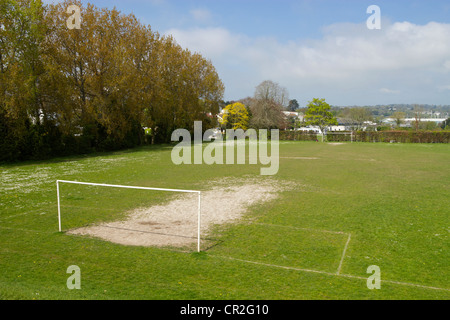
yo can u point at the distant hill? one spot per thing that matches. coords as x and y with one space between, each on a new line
427 110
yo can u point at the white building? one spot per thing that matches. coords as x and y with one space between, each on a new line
436 120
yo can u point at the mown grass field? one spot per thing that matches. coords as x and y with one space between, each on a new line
392 198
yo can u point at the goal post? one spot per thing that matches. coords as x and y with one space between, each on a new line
131 187
345 133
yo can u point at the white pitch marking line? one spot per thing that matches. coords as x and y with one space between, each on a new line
24 230
318 230
20 214
343 254
299 228
331 274
276 266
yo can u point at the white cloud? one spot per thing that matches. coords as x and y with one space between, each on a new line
447 65
211 42
444 87
389 91
349 61
201 15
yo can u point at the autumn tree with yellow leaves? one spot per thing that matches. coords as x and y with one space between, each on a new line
235 116
65 91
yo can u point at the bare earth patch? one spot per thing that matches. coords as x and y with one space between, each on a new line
175 223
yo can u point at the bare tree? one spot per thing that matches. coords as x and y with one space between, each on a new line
268 104
398 116
358 115
269 90
417 116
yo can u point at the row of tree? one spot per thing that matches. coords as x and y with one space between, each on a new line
265 110
262 111
67 90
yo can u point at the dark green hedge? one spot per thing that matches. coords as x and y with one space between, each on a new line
299 136
37 142
373 136
404 136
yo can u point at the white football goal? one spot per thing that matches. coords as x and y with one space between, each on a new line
350 134
58 182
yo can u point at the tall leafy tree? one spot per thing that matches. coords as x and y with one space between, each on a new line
21 70
398 116
319 114
446 124
235 116
358 115
293 105
95 87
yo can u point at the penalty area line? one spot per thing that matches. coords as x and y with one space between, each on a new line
343 254
24 230
20 214
330 273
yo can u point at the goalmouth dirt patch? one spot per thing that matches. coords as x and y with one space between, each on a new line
175 224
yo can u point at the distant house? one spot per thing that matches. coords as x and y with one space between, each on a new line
388 121
337 128
313 129
345 125
408 122
291 114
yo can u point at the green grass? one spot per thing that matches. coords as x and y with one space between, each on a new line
391 198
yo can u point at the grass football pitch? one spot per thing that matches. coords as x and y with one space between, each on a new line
352 206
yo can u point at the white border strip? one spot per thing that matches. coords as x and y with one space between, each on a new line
132 187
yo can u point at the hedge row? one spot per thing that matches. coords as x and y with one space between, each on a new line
373 136
46 141
404 136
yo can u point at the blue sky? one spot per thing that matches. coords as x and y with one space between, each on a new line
314 48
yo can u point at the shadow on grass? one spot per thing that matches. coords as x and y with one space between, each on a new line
93 155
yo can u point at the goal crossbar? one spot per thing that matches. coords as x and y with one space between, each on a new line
131 187
349 133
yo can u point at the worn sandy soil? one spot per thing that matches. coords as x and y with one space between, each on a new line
175 224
